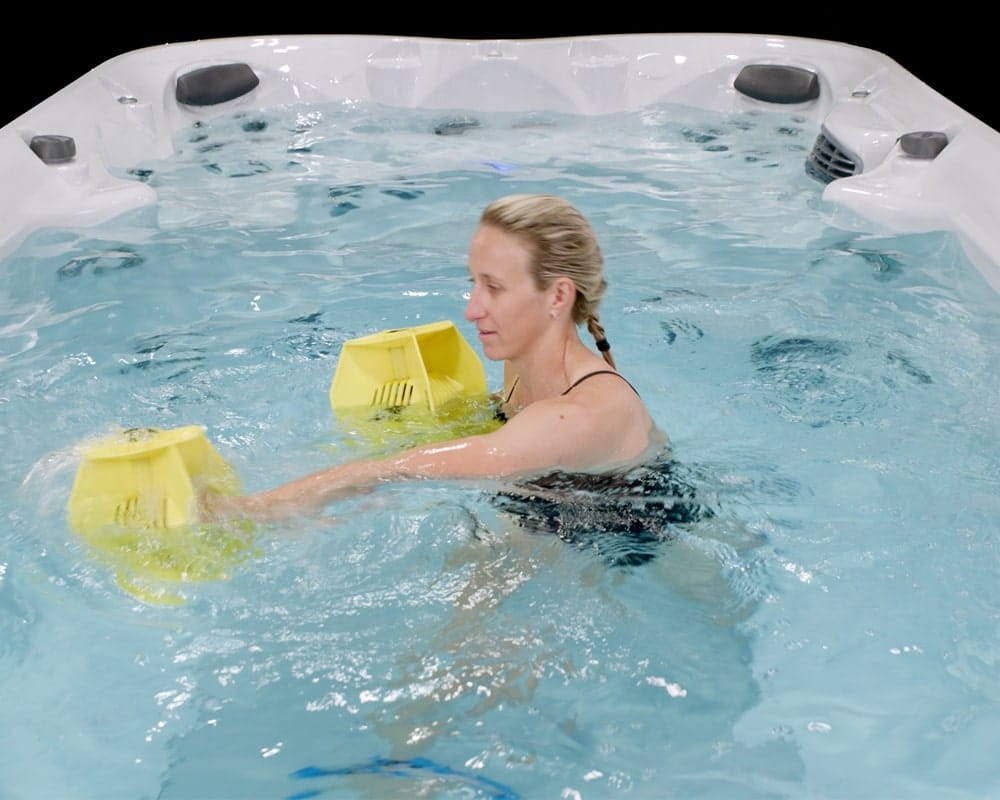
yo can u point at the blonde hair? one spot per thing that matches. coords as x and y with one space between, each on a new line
563 244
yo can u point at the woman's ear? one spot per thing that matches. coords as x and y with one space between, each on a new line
563 296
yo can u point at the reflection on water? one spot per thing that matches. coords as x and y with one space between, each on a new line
462 636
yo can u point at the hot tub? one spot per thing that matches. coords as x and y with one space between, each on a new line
783 222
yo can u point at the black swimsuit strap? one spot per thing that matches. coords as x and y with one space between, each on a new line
501 414
598 372
513 386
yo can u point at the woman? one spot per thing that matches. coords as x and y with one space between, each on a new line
537 274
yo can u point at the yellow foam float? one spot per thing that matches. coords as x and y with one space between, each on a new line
427 365
406 386
135 500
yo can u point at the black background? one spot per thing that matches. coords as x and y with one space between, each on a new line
951 53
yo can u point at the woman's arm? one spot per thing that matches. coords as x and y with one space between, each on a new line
494 454
556 433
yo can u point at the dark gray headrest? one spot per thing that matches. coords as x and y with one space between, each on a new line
53 148
209 86
923 144
777 83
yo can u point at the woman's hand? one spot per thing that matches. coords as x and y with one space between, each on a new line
215 507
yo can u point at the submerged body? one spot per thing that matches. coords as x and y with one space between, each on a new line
622 516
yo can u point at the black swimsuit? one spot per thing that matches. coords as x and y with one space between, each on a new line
623 516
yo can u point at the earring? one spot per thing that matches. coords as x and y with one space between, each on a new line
553 314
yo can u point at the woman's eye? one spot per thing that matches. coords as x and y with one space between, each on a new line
488 285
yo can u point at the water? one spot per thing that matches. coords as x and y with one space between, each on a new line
830 631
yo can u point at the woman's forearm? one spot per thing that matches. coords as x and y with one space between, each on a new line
303 496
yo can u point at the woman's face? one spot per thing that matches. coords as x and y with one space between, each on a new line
506 307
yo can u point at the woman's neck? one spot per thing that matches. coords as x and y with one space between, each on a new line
548 371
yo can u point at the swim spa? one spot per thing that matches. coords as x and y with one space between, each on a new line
820 346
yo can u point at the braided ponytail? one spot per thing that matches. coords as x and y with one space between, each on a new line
603 345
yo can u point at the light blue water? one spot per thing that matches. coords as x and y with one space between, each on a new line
831 632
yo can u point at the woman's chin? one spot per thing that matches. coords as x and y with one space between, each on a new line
490 349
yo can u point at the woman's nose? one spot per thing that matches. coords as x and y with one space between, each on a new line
473 308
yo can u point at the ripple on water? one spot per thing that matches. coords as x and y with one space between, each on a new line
17 617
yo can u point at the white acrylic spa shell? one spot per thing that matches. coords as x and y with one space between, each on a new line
903 156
